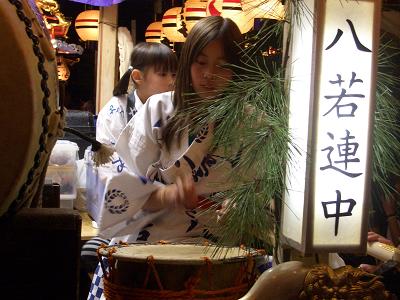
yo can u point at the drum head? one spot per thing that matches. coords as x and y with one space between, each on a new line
177 254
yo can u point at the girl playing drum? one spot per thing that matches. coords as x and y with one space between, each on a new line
169 171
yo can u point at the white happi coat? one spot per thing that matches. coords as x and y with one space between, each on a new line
150 166
114 116
111 120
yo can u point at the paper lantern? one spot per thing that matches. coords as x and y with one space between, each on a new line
193 11
243 12
62 69
214 7
172 24
87 25
154 33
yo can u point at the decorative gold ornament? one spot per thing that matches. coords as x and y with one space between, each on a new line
55 21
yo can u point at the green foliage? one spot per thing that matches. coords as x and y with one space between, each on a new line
252 116
386 136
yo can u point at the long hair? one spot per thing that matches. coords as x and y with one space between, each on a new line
205 31
145 55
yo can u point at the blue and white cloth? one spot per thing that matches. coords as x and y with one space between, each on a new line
97 285
149 167
114 116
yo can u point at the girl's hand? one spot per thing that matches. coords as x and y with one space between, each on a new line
225 206
180 193
374 237
185 193
368 268
389 205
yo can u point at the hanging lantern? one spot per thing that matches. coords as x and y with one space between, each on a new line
193 11
214 7
167 42
153 33
87 25
243 12
271 9
172 24
62 69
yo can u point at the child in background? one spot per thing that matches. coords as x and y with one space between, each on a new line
152 70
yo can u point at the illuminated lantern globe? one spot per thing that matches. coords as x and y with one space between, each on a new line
154 33
214 7
87 25
193 11
172 24
62 69
243 12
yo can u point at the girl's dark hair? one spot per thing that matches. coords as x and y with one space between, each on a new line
206 30
145 55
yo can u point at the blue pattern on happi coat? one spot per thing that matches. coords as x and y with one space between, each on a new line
202 171
116 202
193 221
144 234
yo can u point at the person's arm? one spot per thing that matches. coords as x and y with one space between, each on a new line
389 206
110 122
375 237
181 193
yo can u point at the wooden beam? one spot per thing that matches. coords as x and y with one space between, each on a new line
107 67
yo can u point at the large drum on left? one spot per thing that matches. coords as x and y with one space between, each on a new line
29 116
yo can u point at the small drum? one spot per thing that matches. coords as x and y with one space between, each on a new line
177 271
29 117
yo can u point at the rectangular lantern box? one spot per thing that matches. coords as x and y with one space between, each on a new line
62 169
332 104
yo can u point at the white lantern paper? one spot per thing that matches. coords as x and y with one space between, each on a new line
172 24
333 71
87 25
193 11
243 12
153 32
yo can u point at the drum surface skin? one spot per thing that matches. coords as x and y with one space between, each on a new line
29 120
181 267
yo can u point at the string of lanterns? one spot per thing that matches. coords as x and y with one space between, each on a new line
177 22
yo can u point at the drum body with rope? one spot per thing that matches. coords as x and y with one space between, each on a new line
177 271
29 116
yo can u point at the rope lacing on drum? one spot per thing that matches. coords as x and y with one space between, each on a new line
242 282
107 274
152 269
194 280
247 271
